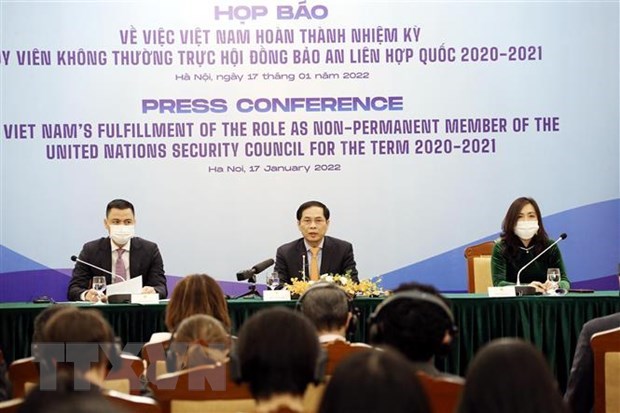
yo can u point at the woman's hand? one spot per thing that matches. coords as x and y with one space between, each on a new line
540 287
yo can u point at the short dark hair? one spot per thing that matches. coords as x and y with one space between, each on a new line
374 381
73 325
326 305
416 328
119 204
277 351
43 317
310 204
66 399
511 240
502 373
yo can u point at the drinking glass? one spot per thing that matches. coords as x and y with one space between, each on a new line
99 284
273 280
553 276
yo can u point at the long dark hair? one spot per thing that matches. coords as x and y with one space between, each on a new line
511 240
510 375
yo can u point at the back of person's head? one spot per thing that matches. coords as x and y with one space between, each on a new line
510 375
374 382
414 321
277 353
197 294
88 330
199 340
43 317
326 305
65 399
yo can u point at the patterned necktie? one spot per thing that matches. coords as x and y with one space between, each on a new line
119 268
314 263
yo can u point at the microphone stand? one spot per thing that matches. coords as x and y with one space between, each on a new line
252 293
528 289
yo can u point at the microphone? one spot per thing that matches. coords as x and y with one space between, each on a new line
76 259
114 298
303 266
257 269
528 289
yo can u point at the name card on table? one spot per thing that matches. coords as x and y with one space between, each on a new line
506 291
145 298
276 295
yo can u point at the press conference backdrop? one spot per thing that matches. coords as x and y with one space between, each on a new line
417 123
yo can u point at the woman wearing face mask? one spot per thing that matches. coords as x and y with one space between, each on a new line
523 237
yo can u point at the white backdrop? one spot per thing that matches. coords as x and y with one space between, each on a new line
551 60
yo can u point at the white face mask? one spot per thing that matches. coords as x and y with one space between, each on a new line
526 229
121 234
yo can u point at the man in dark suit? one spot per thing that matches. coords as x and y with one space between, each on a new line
315 253
121 253
580 388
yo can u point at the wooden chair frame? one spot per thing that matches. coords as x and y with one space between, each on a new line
603 343
472 252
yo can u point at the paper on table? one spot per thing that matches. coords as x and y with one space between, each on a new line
131 286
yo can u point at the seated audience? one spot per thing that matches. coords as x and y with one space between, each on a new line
580 389
417 322
195 294
278 354
510 375
199 340
43 317
66 399
329 309
92 336
374 382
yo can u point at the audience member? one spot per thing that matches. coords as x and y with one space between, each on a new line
278 355
417 322
87 344
523 237
199 340
329 309
374 382
121 253
43 317
315 253
197 294
66 399
510 376
580 389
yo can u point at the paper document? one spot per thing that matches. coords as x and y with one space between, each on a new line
131 286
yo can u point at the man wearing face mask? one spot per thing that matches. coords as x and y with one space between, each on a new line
123 254
523 237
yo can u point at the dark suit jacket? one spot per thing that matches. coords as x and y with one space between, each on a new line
580 389
337 258
144 259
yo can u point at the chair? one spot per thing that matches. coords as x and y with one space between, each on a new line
11 406
338 350
127 378
606 348
202 388
133 404
443 393
479 267
24 374
155 356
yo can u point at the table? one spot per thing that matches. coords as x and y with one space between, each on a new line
551 323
